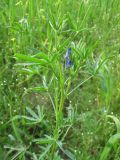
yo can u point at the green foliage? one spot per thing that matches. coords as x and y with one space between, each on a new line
112 141
50 112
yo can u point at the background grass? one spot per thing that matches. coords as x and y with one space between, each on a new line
65 117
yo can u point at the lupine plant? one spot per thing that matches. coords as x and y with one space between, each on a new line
59 76
59 79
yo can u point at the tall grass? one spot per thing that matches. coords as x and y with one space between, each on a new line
49 111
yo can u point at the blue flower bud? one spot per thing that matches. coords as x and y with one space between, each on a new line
68 62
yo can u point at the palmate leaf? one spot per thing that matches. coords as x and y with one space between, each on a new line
33 118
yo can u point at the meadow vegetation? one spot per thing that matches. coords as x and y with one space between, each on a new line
49 111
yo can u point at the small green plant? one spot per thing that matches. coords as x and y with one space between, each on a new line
61 78
54 103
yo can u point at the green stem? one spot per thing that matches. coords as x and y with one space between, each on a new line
59 111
